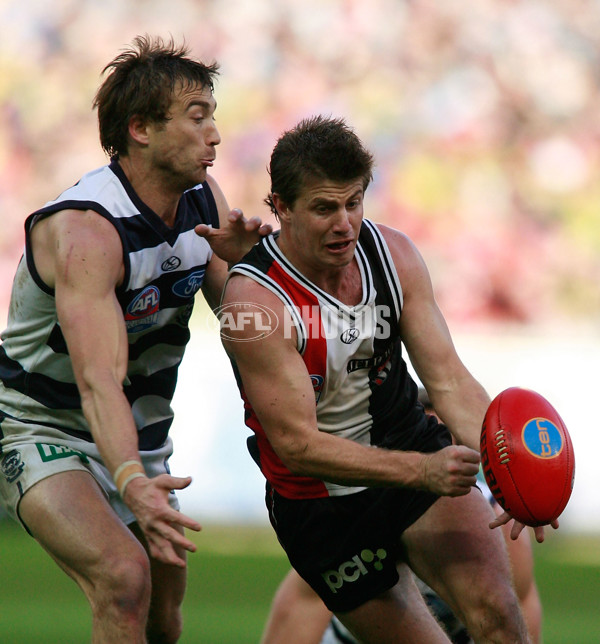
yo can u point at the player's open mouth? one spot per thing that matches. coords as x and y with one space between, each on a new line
339 247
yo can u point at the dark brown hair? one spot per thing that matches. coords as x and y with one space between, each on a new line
318 147
142 81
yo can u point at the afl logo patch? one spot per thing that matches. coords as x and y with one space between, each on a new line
142 311
171 264
542 438
350 335
12 466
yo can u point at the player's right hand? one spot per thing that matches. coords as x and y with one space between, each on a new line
451 471
148 500
518 527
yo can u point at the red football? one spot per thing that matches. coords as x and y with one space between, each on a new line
527 456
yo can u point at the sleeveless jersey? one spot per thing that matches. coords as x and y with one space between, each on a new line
164 268
353 354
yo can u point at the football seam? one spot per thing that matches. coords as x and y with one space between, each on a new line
505 463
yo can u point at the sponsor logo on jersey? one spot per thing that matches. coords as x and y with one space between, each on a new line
189 285
542 438
317 383
171 264
12 465
362 564
53 452
142 311
379 362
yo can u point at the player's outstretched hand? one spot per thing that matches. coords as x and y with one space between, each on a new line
233 241
451 471
517 527
147 498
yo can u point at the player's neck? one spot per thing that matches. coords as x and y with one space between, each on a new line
344 282
158 197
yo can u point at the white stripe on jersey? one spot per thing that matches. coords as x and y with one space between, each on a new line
146 264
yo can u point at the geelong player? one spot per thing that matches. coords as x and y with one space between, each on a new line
97 327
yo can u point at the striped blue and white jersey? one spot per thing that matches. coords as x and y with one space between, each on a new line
164 268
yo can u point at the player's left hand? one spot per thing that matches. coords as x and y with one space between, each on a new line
232 242
517 527
148 500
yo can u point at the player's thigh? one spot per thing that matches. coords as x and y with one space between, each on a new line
68 514
453 550
397 615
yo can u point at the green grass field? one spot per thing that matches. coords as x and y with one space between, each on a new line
231 581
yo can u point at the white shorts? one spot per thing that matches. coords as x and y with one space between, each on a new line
37 452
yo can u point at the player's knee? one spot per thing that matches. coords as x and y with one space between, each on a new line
497 617
122 592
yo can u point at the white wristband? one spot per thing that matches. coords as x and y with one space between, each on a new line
125 473
128 480
122 467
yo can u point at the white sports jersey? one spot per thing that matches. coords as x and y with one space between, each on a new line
363 391
164 268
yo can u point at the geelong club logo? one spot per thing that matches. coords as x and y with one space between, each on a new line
12 465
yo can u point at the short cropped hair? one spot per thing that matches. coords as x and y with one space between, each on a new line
321 148
142 82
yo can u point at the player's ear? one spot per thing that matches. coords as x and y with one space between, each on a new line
138 129
283 211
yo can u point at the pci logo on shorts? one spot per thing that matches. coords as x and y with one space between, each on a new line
351 570
12 466
142 311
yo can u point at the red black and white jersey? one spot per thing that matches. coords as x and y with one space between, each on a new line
353 354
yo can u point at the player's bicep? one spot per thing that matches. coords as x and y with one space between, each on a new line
87 267
273 374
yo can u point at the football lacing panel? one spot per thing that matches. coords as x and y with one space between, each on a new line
501 448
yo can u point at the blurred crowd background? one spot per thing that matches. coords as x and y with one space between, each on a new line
484 118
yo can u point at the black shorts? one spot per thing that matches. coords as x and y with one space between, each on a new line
346 547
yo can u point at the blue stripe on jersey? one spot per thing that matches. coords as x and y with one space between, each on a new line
156 308
162 383
56 341
43 389
153 436
172 334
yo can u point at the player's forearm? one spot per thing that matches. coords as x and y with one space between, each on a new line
462 410
111 423
344 462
